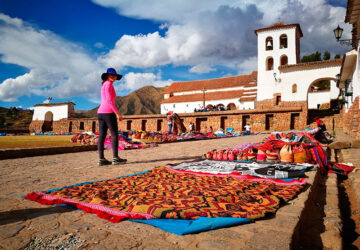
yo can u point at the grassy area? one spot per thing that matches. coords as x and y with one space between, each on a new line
35 141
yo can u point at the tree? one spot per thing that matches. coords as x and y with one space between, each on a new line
314 57
337 56
326 55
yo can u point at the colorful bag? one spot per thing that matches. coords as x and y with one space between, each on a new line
272 155
251 156
261 156
209 155
239 156
300 154
214 156
286 154
225 156
231 156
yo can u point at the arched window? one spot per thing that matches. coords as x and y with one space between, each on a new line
269 43
294 88
283 60
231 106
269 63
283 41
210 107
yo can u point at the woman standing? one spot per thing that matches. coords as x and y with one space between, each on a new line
169 119
108 116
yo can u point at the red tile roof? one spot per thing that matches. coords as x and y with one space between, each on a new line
281 25
247 99
311 65
218 83
218 95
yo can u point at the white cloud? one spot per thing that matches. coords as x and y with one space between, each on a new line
213 32
247 66
135 81
201 68
57 67
224 36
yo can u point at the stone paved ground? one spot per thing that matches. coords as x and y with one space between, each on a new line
25 223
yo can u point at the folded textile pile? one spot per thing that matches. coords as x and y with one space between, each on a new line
264 170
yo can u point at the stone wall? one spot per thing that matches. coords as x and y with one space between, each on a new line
351 120
278 118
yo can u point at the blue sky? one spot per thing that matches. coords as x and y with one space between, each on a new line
60 48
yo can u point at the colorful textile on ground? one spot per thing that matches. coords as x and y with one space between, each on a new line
264 170
340 168
182 227
126 143
162 193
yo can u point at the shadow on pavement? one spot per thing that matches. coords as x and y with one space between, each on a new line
30 213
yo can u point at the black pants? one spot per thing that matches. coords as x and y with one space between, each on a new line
108 121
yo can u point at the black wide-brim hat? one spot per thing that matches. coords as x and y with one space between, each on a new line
110 71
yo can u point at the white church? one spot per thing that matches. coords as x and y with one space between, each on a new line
280 77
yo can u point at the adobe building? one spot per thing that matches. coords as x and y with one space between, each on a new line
278 95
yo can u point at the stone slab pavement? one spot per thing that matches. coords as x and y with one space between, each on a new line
28 224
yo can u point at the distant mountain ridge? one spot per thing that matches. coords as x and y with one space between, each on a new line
143 101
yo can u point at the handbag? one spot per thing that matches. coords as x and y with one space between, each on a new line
261 156
251 155
272 155
286 154
300 154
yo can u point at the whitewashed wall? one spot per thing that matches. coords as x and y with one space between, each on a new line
189 107
59 112
318 98
211 90
303 79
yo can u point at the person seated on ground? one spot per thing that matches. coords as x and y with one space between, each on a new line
211 129
320 132
247 129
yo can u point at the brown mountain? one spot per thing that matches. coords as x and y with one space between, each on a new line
143 101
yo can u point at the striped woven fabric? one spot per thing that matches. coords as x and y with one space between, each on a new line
162 193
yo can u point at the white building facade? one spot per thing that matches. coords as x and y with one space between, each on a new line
236 92
53 111
279 74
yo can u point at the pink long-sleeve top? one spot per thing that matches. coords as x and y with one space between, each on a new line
108 95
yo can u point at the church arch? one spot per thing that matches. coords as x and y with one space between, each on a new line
320 92
283 60
283 41
269 45
269 63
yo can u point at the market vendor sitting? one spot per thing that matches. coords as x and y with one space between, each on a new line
320 132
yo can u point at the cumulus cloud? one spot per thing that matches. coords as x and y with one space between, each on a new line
209 38
56 67
135 81
213 32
